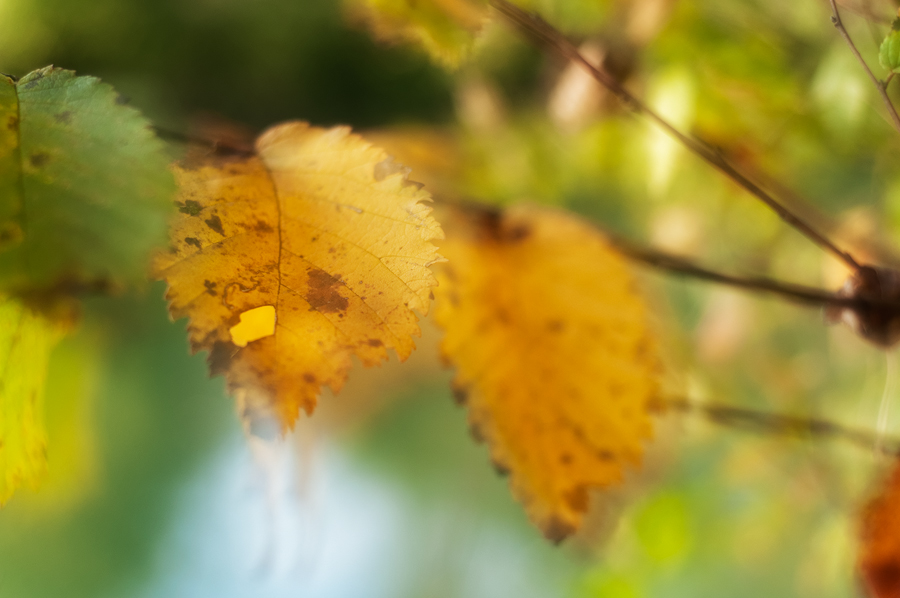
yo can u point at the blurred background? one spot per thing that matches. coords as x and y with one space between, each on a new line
155 491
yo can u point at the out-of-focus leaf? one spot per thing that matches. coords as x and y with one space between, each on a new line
84 184
879 552
889 54
72 448
445 28
434 155
291 261
553 354
26 340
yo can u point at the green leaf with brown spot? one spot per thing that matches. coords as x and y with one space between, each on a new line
85 189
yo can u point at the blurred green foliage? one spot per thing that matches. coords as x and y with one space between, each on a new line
257 63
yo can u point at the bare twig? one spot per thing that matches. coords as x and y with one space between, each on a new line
880 86
795 292
786 425
802 294
212 144
543 32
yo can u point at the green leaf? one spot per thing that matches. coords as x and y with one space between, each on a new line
889 55
84 184
26 340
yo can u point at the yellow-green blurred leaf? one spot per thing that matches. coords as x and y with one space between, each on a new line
26 340
445 28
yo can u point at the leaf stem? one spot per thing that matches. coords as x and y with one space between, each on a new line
543 32
785 425
881 87
214 145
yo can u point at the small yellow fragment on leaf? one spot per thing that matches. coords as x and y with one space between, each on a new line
553 354
255 324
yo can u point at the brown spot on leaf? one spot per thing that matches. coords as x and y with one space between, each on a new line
193 241
9 233
556 530
64 117
38 159
210 287
374 342
555 326
309 378
190 207
263 227
475 432
500 468
322 295
517 233
35 80
13 123
460 394
215 223
578 498
220 357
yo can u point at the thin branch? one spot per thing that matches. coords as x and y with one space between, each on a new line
214 145
802 294
543 32
881 87
795 292
786 425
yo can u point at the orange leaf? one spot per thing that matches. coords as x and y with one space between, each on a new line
553 355
879 552
293 260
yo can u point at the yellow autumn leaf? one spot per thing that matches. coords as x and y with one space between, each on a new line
291 261
553 355
26 339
